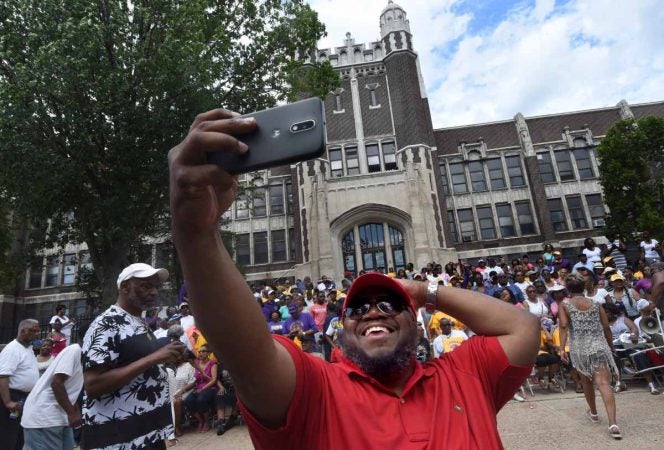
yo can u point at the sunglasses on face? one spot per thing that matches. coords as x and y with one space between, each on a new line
386 304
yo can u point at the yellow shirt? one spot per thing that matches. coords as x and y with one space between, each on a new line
436 317
555 339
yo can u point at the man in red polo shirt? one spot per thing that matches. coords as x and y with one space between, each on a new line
377 395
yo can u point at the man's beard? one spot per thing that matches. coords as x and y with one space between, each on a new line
383 366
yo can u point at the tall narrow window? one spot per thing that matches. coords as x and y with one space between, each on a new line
278 245
514 171
443 177
596 209
242 249
292 244
373 158
398 254
52 270
583 163
389 155
546 167
495 166
564 163
259 208
276 198
458 174
525 217
36 269
477 177
289 197
241 205
505 220
453 228
352 161
467 225
69 268
84 267
337 102
348 250
576 212
372 242
260 248
372 94
485 220
558 219
336 163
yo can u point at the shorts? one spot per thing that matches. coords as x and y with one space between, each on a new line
227 399
55 438
546 360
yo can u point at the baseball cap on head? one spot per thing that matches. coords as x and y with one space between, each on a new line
369 281
141 270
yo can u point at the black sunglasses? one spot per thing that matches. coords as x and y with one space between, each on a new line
386 304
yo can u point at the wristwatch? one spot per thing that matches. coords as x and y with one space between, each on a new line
432 293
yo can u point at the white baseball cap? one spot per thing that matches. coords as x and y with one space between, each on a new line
141 270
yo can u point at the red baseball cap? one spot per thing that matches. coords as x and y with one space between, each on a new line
377 280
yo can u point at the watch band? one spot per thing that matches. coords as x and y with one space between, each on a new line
432 293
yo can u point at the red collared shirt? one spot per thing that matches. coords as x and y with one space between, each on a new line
449 403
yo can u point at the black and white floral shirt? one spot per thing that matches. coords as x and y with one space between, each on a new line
139 413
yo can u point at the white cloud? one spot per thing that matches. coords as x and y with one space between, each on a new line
541 58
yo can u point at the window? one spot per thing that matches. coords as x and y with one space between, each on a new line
398 255
557 214
546 167
278 245
336 163
583 163
289 197
372 242
564 163
389 155
443 178
485 220
348 251
292 244
514 171
525 217
260 248
372 93
85 267
242 249
36 269
458 178
352 161
69 268
276 198
373 158
576 212
477 177
258 205
453 228
505 220
467 225
596 209
241 205
52 270
495 166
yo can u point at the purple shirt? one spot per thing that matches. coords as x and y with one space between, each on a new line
305 320
268 309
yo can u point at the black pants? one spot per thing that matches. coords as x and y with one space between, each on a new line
11 429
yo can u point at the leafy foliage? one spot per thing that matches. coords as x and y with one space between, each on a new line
632 175
94 94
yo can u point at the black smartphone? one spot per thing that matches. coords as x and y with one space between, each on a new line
284 135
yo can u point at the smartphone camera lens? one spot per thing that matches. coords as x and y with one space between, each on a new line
302 126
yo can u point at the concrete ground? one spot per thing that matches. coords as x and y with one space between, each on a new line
547 420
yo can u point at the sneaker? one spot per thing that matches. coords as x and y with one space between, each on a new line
518 398
594 418
653 389
615 432
221 429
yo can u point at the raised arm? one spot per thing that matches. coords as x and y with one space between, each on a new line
517 330
222 303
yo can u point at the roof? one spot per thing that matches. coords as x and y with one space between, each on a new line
495 135
550 128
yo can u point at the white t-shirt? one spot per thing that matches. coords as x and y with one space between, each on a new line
160 333
439 342
593 255
19 363
187 322
599 297
523 286
66 329
649 248
41 409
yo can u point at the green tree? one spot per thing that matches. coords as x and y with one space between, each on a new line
632 175
94 94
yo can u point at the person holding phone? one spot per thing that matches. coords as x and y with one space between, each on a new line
377 378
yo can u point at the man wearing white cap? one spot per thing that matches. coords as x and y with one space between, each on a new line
126 403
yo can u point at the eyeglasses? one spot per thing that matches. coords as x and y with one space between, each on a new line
386 304
530 291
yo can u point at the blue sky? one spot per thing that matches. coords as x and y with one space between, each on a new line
487 60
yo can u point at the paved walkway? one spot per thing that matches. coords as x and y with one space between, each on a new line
545 421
